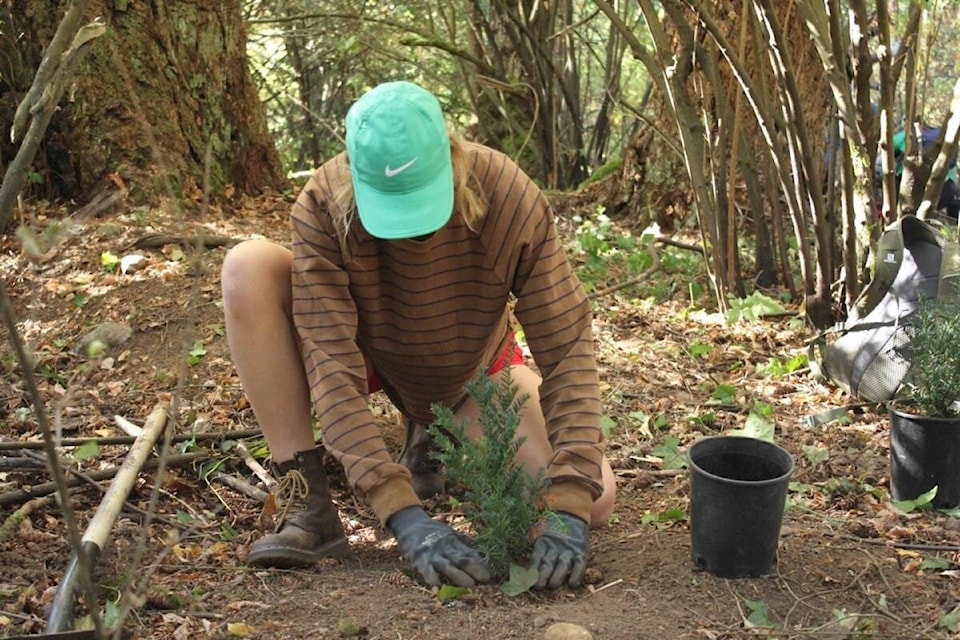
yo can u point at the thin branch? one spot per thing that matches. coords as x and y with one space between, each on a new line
12 523
203 436
56 469
42 110
46 488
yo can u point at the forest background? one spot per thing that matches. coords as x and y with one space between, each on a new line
758 126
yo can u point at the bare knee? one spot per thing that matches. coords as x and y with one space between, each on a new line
255 273
603 506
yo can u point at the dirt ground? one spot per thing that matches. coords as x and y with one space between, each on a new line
849 564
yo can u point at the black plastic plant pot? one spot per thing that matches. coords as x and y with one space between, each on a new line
738 488
924 453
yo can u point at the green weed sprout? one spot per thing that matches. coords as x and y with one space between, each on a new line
500 497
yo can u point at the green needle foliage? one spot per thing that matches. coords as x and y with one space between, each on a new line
500 497
934 381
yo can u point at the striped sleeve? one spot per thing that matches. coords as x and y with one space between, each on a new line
555 313
326 318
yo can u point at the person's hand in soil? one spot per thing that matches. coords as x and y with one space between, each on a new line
561 551
440 554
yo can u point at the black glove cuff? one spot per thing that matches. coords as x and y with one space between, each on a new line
572 520
405 518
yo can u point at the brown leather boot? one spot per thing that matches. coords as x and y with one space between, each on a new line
308 526
426 472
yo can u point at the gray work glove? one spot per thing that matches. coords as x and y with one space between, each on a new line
561 551
438 553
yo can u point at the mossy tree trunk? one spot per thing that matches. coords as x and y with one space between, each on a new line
162 91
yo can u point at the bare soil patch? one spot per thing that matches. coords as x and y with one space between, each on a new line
850 566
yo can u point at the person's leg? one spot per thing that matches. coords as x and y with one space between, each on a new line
255 281
535 452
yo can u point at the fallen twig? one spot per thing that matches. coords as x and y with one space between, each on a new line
240 485
20 462
22 495
97 534
255 466
606 586
237 484
10 525
159 240
181 437
680 245
60 482
883 542
127 427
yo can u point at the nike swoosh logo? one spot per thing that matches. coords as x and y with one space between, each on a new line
387 171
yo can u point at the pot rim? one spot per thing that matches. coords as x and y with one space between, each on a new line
892 408
780 451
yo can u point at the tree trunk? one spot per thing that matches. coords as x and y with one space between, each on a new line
163 92
788 107
525 87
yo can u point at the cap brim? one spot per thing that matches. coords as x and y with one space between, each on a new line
395 216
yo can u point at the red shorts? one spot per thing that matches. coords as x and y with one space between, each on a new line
511 355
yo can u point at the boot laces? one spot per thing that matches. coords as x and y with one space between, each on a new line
291 488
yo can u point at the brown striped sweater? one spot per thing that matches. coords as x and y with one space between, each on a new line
429 314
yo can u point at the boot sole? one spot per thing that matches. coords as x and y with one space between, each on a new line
280 557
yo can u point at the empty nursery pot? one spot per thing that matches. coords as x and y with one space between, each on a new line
738 488
924 453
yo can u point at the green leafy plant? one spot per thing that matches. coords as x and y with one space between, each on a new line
934 380
814 454
754 306
602 251
699 349
109 261
920 502
196 352
521 580
670 453
500 497
607 425
52 376
759 615
780 368
87 450
725 394
759 423
934 564
705 420
451 592
227 532
666 518
950 621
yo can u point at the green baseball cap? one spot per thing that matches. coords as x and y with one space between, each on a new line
400 161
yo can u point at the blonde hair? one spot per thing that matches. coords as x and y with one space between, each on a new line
468 199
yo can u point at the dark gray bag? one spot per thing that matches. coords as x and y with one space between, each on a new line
864 355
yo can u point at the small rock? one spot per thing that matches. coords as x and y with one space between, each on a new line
102 338
566 631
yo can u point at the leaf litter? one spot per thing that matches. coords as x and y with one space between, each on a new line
849 562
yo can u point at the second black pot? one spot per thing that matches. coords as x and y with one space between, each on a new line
924 453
